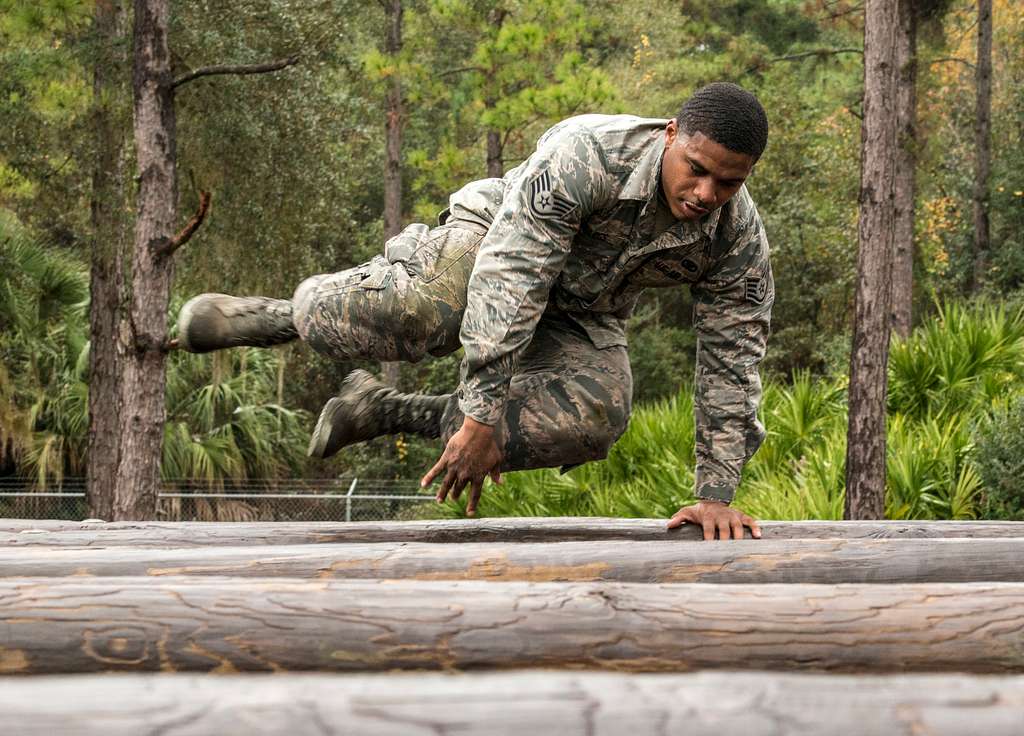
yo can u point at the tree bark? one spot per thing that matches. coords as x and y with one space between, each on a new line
143 380
531 702
865 453
495 165
495 148
106 273
752 562
906 163
982 141
41 532
222 624
395 116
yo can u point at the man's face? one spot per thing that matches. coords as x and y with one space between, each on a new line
699 175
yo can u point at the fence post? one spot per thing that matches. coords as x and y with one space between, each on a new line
348 499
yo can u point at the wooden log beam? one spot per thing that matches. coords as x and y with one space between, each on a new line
747 561
69 625
23 532
569 704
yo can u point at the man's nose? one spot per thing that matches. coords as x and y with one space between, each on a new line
706 192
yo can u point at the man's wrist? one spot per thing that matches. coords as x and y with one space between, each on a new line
718 501
477 427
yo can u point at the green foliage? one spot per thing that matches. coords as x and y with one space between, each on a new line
662 359
965 357
225 421
999 456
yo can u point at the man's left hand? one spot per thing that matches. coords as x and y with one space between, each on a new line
469 457
714 516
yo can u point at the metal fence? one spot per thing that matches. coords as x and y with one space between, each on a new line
332 499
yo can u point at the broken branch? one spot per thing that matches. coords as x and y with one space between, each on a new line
190 228
208 71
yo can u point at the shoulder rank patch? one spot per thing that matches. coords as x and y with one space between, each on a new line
755 288
546 203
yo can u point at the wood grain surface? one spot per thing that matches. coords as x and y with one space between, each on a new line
746 561
38 532
65 625
531 702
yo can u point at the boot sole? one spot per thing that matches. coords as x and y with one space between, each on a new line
322 432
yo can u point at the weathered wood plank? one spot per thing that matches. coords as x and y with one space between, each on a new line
492 704
31 532
51 625
747 561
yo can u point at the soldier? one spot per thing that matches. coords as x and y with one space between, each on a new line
534 276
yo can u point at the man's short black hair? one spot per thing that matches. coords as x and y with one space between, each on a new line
727 114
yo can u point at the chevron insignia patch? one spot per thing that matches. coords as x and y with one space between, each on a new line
546 203
756 289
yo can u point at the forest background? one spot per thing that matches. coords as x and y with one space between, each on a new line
296 163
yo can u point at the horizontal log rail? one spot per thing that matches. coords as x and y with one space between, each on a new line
747 561
31 532
569 704
67 625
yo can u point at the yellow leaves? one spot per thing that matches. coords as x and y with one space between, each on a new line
940 217
642 52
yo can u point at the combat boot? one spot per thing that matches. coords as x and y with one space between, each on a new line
216 321
366 408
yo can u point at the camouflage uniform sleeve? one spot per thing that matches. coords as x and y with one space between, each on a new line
732 312
522 254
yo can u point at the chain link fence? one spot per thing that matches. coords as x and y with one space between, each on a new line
331 499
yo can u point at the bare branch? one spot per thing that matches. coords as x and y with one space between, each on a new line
953 59
189 230
822 53
207 71
460 70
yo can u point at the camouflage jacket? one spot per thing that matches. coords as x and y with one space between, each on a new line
571 229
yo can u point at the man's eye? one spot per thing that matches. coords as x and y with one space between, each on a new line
696 170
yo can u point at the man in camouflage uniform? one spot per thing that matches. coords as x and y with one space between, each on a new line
535 275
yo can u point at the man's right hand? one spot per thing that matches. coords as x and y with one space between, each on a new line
714 516
469 457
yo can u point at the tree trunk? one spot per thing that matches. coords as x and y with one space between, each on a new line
54 533
751 562
393 160
106 274
495 152
495 166
865 452
906 162
982 141
143 381
530 702
70 625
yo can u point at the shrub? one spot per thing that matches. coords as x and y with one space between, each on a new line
999 456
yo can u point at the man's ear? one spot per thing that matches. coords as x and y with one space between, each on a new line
670 133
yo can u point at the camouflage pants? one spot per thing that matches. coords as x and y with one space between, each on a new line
569 401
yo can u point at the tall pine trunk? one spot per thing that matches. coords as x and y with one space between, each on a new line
865 452
143 380
906 162
495 164
982 140
106 270
495 149
393 162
